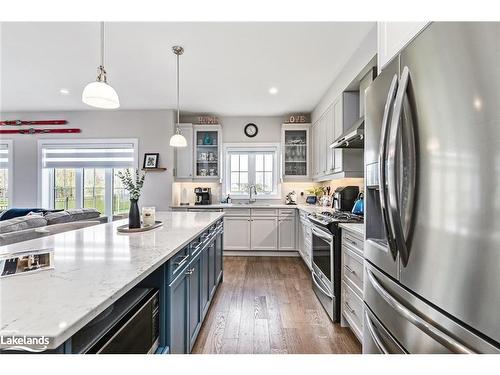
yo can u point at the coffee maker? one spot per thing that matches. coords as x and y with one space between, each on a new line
203 196
344 197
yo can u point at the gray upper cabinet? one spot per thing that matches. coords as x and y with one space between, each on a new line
296 151
184 155
336 163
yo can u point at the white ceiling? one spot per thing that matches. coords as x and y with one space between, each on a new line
227 68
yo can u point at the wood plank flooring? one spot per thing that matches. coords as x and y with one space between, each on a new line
266 305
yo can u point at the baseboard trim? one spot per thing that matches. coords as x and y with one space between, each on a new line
246 253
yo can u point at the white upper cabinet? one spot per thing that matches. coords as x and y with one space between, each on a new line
295 151
207 152
184 155
393 37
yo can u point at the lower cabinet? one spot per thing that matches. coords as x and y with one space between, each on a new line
177 312
262 230
194 302
263 233
190 293
237 233
286 233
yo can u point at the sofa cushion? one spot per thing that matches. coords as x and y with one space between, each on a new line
78 214
57 217
21 223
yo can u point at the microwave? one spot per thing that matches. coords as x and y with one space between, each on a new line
130 326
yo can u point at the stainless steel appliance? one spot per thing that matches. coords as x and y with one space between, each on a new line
326 259
432 142
203 196
130 326
344 197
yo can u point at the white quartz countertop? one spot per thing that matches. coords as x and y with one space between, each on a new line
93 267
353 227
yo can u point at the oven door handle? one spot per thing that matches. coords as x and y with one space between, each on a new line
322 235
330 295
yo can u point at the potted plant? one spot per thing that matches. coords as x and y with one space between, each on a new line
133 184
317 192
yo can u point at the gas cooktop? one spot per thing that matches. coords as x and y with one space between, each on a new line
331 217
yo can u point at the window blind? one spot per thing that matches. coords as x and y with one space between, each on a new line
4 156
89 155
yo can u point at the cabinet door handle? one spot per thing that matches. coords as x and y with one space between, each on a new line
190 272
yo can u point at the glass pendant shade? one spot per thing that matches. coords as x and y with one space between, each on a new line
100 95
178 140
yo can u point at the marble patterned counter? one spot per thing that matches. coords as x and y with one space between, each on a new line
93 268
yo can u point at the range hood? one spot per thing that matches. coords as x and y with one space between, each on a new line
352 137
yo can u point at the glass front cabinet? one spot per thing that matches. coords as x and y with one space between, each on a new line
295 151
207 152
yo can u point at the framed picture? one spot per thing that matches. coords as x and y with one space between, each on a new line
151 161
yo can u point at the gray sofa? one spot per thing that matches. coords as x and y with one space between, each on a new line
29 227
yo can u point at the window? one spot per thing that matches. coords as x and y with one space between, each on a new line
5 174
248 166
64 188
94 188
77 174
239 173
121 201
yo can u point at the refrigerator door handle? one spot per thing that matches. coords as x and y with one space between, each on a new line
381 165
438 335
401 226
373 334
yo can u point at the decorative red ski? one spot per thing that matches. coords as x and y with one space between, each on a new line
40 131
32 123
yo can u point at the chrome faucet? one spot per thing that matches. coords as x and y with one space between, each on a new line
251 198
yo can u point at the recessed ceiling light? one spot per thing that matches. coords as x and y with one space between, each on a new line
64 91
273 90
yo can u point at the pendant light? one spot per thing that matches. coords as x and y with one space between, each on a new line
100 94
178 140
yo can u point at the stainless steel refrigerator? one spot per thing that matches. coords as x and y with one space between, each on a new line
432 163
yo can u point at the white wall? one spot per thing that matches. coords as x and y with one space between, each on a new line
152 128
361 57
233 128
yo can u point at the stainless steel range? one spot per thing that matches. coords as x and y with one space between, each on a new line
326 250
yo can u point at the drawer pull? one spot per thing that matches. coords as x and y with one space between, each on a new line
182 260
352 242
190 272
351 310
350 269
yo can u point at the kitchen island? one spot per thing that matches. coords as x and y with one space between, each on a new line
94 267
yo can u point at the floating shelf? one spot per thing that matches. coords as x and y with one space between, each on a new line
154 169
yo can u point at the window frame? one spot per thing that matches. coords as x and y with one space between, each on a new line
10 170
253 148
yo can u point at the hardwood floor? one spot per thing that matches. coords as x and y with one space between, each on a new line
266 305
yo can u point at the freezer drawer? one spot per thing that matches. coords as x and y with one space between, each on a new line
376 339
415 324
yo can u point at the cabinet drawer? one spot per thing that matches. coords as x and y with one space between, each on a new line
352 308
353 241
353 270
177 263
237 211
264 212
287 212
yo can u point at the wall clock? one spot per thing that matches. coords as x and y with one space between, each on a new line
251 130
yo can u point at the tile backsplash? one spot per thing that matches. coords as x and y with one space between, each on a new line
183 192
